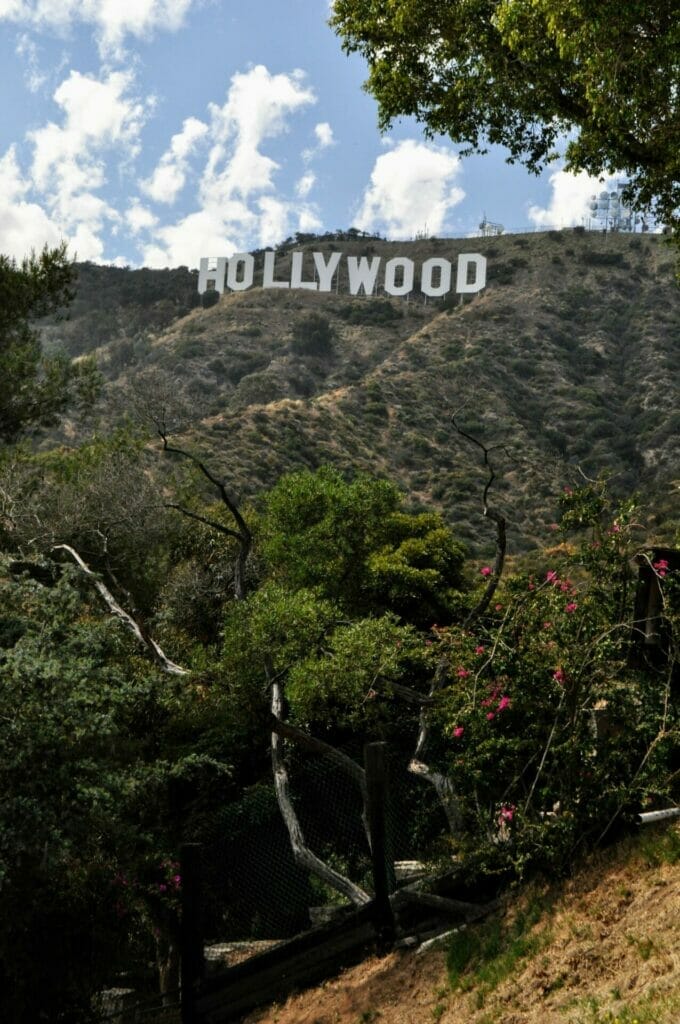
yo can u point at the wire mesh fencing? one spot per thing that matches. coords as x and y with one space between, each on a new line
254 891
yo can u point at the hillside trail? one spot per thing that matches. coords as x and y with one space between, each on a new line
605 950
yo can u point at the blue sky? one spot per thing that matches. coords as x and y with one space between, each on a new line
153 132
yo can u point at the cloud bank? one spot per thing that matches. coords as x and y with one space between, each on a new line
111 20
411 190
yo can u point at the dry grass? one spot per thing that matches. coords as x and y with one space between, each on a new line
602 948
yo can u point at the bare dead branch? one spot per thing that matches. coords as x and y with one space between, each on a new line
148 642
410 696
301 852
242 534
204 519
317 746
456 908
443 784
444 789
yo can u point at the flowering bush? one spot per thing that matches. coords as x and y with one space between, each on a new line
552 736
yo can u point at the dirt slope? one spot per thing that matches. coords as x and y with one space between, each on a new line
605 950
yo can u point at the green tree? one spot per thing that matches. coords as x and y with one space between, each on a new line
523 73
100 773
358 545
36 388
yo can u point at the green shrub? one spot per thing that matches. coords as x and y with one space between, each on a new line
370 312
313 335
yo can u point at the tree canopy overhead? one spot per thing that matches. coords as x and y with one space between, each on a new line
525 73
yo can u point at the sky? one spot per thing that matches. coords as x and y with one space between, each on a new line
155 132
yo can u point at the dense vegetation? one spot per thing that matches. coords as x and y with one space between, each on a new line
119 737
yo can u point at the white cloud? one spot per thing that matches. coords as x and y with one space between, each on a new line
235 194
169 177
203 233
308 221
411 190
112 20
33 77
571 195
257 107
324 138
324 134
98 115
140 218
273 220
98 118
23 225
305 185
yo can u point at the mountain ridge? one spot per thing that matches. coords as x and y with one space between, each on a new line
566 359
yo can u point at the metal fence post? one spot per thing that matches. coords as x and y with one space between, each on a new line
191 931
375 765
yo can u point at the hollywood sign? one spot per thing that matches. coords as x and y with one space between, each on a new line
435 276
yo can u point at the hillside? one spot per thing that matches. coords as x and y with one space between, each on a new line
601 948
569 357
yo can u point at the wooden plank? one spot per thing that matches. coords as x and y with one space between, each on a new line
375 767
299 962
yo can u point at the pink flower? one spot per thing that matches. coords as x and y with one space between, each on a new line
661 567
503 703
559 675
507 812
554 526
162 887
486 570
458 732
552 577
177 879
480 649
616 528
498 607
571 607
490 716
492 698
547 625
462 673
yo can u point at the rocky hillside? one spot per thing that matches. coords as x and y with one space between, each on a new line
567 359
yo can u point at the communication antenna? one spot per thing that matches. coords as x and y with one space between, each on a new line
488 228
610 212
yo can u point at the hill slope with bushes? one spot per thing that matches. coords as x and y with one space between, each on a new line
567 358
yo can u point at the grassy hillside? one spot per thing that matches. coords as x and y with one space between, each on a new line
600 948
569 357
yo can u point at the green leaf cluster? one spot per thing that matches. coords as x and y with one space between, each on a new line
36 387
525 73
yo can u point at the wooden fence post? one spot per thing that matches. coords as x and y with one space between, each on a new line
191 931
375 765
